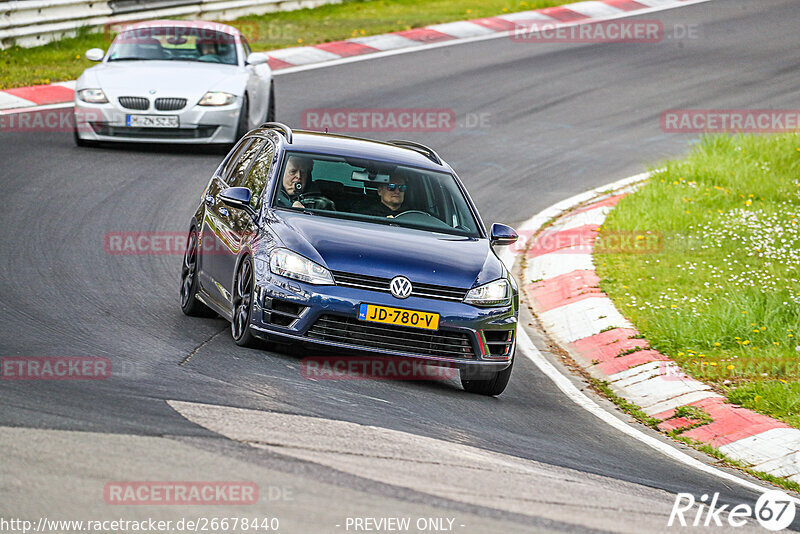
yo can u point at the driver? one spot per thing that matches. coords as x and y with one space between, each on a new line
297 190
391 198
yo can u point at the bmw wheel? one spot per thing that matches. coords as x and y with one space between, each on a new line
242 126
243 305
189 303
271 106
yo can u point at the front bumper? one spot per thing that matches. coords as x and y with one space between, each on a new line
197 124
291 310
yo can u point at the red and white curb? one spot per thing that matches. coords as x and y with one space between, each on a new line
501 25
562 288
303 57
37 95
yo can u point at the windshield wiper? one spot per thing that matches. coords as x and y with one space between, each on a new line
131 59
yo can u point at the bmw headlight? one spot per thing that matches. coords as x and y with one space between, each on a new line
497 293
292 265
92 96
213 98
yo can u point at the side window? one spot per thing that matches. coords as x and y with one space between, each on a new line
246 46
226 173
239 173
257 178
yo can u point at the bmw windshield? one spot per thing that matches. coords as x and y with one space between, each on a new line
174 43
375 192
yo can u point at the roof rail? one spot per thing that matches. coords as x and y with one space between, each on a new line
285 130
422 149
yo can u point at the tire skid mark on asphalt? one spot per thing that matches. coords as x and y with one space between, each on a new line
440 468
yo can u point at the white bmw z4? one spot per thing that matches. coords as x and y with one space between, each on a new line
174 82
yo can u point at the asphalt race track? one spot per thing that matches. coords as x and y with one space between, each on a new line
558 119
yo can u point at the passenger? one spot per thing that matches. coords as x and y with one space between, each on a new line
207 50
391 198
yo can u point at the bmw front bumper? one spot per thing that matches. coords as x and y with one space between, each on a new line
196 124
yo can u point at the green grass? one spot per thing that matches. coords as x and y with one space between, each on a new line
631 409
63 60
694 413
721 292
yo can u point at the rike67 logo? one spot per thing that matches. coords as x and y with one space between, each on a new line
774 510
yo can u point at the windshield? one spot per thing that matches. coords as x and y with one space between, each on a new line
374 191
176 44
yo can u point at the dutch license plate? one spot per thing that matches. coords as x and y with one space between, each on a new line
153 121
383 314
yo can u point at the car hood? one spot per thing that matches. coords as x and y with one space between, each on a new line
387 251
167 78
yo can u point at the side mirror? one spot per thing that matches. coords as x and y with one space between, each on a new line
95 54
257 58
503 235
239 198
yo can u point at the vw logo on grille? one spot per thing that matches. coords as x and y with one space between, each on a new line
400 287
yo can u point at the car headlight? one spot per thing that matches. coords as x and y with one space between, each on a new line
495 293
92 96
213 98
292 265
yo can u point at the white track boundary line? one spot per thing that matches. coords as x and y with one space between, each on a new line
563 382
477 38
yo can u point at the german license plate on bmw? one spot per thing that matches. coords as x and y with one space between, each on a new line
399 316
153 121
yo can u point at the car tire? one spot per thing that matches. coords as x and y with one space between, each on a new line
492 386
242 126
271 105
189 284
243 284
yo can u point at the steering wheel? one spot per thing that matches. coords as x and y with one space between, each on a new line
317 201
407 212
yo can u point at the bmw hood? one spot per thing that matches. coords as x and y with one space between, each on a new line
387 251
185 79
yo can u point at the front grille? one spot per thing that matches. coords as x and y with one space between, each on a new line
375 283
161 133
389 337
134 102
170 104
